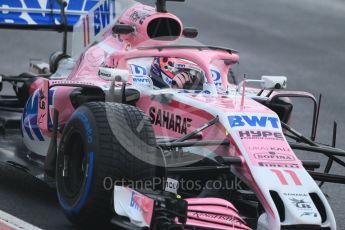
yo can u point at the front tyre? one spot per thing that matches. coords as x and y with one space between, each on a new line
98 148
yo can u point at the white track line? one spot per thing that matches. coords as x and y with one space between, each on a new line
10 222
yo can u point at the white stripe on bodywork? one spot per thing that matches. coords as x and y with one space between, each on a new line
107 48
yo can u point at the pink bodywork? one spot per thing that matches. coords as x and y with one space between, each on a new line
214 213
206 212
146 205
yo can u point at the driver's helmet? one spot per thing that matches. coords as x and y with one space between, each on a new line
175 72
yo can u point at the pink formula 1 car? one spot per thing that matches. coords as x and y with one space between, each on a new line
147 128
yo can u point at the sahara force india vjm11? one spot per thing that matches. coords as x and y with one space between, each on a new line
143 110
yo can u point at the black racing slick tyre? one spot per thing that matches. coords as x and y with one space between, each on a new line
102 143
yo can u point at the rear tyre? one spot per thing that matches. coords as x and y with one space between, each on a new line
102 143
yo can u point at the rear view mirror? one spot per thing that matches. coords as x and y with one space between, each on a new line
190 32
273 82
110 74
123 29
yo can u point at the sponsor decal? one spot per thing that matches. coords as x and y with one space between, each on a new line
42 103
301 203
30 123
138 71
216 77
103 74
40 119
295 194
140 74
139 16
133 204
171 185
103 15
253 121
190 91
68 82
169 120
270 148
278 165
249 134
167 79
141 80
314 214
219 217
42 107
273 156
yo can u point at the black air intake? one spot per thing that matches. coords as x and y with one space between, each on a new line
279 204
164 29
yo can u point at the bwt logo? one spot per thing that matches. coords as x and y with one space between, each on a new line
215 75
102 15
253 121
140 74
133 204
138 70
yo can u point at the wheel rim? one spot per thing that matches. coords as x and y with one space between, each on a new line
75 165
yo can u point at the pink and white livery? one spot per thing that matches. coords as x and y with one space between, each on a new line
147 128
